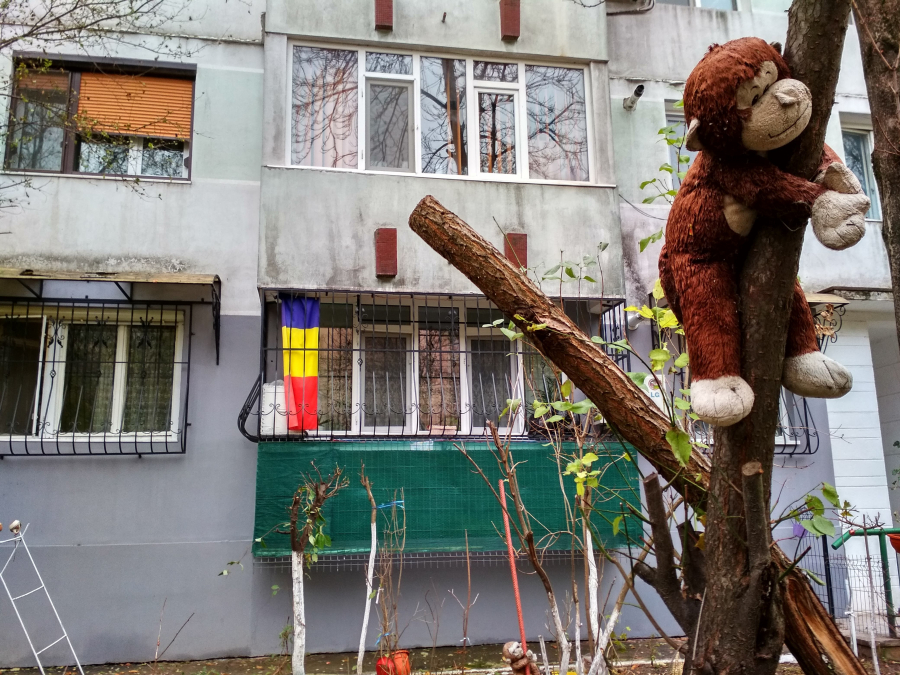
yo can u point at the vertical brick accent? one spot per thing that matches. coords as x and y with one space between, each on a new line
509 19
386 252
384 14
515 248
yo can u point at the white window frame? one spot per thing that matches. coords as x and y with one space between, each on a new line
515 355
48 406
870 170
473 141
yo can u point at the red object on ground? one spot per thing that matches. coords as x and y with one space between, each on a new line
515 248
386 252
401 662
895 541
509 19
385 666
384 14
512 567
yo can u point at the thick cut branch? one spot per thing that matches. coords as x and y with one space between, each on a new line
810 630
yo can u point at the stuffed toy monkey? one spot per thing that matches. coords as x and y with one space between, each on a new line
739 103
520 662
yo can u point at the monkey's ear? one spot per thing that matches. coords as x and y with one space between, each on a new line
776 46
691 141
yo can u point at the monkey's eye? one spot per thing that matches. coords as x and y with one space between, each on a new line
755 99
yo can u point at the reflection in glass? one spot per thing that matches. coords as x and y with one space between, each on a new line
557 123
496 72
20 356
444 148
541 383
497 132
35 140
439 369
324 107
389 122
384 386
396 64
150 379
162 157
335 377
725 5
859 160
89 372
104 155
491 380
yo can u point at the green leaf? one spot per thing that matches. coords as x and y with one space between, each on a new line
666 167
579 488
566 388
647 182
590 279
603 246
616 525
813 577
659 357
681 404
541 410
667 319
589 458
658 292
823 525
582 407
682 360
638 378
512 404
678 104
815 505
275 589
680 443
570 273
512 335
555 418
830 493
652 239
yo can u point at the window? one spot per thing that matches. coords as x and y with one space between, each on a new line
401 365
381 111
724 5
77 120
76 372
858 155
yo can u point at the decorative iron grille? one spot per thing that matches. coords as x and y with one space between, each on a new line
392 365
93 377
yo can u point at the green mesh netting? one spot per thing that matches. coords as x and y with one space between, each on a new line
443 497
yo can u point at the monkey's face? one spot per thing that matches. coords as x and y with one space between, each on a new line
779 109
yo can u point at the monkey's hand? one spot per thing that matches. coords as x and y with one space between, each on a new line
521 663
839 216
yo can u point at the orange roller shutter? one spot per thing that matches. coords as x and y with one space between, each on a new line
136 106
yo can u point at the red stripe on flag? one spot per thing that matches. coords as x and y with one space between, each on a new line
302 395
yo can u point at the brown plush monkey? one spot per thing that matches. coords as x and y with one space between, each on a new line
521 663
739 103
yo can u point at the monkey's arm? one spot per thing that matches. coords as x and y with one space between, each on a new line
761 186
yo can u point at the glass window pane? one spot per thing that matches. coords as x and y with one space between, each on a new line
557 123
150 379
496 72
88 387
20 353
726 5
397 64
439 369
384 382
324 107
497 132
106 155
541 382
335 374
491 380
444 137
683 3
859 159
38 126
162 157
389 122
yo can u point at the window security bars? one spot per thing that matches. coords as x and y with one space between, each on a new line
392 365
93 378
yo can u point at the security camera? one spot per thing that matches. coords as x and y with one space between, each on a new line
631 102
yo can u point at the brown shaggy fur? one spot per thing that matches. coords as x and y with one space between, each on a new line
702 257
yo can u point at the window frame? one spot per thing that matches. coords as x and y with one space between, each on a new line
471 89
73 66
48 404
869 134
515 357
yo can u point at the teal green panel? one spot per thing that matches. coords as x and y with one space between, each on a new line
444 498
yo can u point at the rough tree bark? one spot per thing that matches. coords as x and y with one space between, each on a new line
878 25
742 626
812 636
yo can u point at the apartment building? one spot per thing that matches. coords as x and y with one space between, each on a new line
160 296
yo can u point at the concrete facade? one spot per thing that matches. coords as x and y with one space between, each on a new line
116 537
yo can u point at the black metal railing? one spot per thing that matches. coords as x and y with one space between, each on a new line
93 377
391 365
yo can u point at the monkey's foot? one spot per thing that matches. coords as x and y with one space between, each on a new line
816 376
722 401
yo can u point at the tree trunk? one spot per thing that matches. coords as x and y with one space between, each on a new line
878 25
299 653
812 635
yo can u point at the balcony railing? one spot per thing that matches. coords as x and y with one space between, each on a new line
391 365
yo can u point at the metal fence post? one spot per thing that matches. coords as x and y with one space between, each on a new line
828 586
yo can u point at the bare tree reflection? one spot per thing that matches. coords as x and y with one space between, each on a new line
397 64
496 72
557 123
497 132
325 107
444 146
389 122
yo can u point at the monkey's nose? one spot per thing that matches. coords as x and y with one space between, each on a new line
786 98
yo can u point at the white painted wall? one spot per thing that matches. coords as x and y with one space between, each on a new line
886 362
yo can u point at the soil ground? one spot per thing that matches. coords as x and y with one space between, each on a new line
634 657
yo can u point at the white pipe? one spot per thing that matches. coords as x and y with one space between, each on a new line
297 665
365 627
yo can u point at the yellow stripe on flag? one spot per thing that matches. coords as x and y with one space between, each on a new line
301 351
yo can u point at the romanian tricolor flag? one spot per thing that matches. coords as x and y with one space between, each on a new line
300 341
